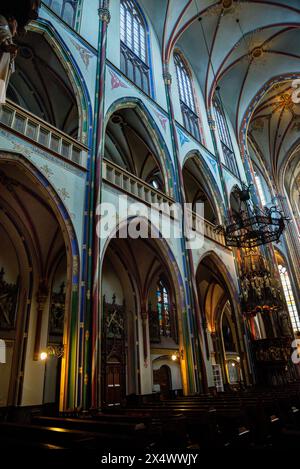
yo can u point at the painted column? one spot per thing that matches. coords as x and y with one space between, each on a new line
192 327
92 366
244 351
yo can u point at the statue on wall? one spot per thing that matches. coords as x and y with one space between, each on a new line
8 52
284 324
14 16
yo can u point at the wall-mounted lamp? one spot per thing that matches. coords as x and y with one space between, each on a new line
43 356
178 355
56 351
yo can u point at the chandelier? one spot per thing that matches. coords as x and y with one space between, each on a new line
250 226
260 291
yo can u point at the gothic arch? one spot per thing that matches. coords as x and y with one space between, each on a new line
211 186
152 129
64 222
226 276
63 53
167 258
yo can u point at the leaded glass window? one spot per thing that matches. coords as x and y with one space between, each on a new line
186 96
163 308
289 297
260 189
225 138
134 59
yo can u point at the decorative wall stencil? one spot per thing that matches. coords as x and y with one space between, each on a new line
8 302
116 82
47 171
182 137
22 149
64 194
162 119
84 54
213 164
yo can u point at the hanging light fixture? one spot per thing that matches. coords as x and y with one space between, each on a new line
250 226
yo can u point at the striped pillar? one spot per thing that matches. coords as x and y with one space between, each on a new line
191 320
92 366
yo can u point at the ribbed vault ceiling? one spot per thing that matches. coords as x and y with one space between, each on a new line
243 47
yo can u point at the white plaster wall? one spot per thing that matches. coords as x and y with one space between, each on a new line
89 25
158 361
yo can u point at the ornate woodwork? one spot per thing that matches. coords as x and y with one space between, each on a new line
273 361
113 354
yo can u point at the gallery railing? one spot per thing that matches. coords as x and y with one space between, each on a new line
139 189
40 132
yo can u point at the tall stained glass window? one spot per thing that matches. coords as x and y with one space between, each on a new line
260 189
225 138
187 101
163 308
289 297
134 59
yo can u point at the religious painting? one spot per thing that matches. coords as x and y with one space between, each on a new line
9 293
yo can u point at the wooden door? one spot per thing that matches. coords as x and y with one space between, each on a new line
114 380
165 381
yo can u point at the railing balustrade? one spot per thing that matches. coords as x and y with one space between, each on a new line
40 132
139 189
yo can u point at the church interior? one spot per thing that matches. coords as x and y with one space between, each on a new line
115 331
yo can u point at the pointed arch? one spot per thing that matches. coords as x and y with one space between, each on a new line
211 187
73 72
151 127
69 365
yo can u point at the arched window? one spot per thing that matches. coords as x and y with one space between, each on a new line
134 59
65 9
260 189
187 102
163 308
289 297
225 138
